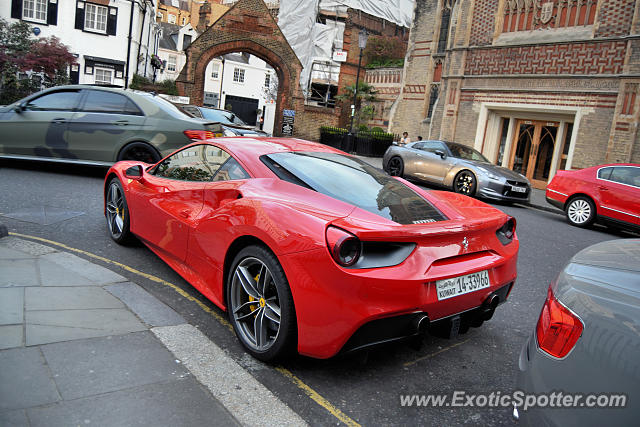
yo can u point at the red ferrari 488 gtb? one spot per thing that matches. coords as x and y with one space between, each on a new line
312 249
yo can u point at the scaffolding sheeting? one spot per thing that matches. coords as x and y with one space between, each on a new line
315 42
296 19
397 11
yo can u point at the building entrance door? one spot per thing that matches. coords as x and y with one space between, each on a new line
534 146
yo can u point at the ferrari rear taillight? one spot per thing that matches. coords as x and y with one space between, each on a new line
507 231
197 135
558 328
345 248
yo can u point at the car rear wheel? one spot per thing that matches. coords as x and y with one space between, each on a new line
260 304
396 166
465 183
580 211
141 152
117 213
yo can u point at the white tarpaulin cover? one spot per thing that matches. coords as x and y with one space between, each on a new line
296 20
311 40
397 11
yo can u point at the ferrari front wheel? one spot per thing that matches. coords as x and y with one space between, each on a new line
117 213
260 304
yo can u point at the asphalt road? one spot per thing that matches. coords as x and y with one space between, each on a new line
368 391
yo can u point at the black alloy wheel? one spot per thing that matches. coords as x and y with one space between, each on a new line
396 166
465 183
140 152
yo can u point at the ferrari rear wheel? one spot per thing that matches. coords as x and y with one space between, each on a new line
260 304
117 213
396 166
141 152
465 183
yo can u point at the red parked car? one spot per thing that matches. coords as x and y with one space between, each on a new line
608 193
312 249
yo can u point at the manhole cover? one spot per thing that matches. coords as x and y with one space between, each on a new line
43 215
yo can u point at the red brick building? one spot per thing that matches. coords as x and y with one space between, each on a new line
536 85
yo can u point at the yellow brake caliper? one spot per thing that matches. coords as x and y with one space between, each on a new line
253 307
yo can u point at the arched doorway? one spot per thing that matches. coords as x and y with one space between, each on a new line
534 147
246 27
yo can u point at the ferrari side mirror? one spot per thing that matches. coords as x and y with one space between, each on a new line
134 172
440 153
19 108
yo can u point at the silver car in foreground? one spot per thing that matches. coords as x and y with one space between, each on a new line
587 341
457 167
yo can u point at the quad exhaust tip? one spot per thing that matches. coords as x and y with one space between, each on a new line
492 302
422 324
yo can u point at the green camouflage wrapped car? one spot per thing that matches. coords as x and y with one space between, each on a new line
96 125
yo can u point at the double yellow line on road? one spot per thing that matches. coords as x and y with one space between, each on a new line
310 392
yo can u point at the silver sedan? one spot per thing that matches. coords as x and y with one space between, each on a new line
457 167
585 347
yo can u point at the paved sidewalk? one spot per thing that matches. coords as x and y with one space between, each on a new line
76 348
537 199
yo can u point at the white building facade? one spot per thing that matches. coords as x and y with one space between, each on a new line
110 38
172 41
244 84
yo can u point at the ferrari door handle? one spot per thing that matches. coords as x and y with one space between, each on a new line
122 122
59 121
602 188
185 213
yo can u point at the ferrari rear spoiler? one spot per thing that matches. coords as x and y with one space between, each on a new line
412 232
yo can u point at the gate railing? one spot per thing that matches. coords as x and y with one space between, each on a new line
363 143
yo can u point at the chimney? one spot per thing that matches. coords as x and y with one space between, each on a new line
204 16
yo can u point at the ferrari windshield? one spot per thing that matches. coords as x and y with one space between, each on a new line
355 182
467 153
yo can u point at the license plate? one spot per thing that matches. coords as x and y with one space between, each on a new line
519 189
449 288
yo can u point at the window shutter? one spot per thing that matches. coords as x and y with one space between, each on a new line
52 13
80 15
16 9
112 21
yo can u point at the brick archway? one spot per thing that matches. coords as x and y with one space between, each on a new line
246 27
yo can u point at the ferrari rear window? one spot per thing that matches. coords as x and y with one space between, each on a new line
355 182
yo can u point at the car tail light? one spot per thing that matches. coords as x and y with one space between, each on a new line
345 248
558 328
507 231
197 135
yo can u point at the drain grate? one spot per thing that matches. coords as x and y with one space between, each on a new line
43 215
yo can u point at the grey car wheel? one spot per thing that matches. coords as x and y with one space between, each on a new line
580 211
260 304
117 213
465 183
139 151
396 166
